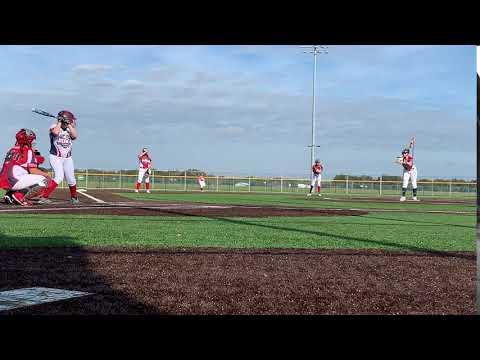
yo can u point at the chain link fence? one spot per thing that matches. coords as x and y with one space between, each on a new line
121 181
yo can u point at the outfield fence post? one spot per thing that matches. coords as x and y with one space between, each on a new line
381 185
281 184
185 181
217 183
346 185
249 183
86 179
432 187
120 178
153 179
450 188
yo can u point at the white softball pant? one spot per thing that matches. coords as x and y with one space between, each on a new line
201 183
142 173
63 167
410 175
316 179
28 180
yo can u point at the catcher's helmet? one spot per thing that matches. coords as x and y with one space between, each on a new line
406 151
67 116
25 137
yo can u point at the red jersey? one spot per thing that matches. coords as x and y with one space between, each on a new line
408 162
317 169
145 161
18 162
201 178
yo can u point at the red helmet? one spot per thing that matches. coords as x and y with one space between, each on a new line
25 137
68 116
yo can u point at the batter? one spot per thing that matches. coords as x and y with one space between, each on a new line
62 135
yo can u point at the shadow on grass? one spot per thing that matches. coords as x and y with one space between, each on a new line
369 216
63 266
377 243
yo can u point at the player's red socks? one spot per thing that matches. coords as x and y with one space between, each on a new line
147 186
318 188
52 186
73 191
137 186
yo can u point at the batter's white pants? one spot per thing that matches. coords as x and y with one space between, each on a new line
142 173
63 167
410 175
28 180
316 179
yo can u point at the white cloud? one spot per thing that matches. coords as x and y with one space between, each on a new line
89 68
231 130
133 84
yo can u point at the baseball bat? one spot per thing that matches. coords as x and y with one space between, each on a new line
44 113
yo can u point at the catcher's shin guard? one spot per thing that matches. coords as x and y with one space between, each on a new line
34 191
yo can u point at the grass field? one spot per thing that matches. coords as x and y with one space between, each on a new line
379 230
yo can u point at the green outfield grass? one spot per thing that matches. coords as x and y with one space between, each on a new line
381 230
413 232
291 200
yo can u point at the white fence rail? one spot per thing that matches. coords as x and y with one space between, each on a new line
119 181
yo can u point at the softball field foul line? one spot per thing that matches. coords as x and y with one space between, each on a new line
82 191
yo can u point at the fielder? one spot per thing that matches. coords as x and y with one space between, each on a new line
317 169
62 134
20 175
409 172
201 182
144 170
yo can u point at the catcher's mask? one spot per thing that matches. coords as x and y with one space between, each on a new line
25 137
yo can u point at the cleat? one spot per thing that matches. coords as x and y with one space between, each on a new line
402 198
44 201
136 190
309 194
8 200
319 194
415 198
75 201
148 191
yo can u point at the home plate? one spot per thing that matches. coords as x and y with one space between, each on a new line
13 299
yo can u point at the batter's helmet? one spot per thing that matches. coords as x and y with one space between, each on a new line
67 116
25 137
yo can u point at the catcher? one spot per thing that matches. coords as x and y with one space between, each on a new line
409 171
144 170
20 174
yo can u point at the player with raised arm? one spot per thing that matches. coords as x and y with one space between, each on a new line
62 135
20 175
317 169
144 170
409 171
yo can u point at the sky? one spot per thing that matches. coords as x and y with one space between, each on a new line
247 110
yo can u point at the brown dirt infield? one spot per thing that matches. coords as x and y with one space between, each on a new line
217 281
117 205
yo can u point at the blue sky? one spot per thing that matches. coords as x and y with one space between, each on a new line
246 110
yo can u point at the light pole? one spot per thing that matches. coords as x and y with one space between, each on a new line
315 50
